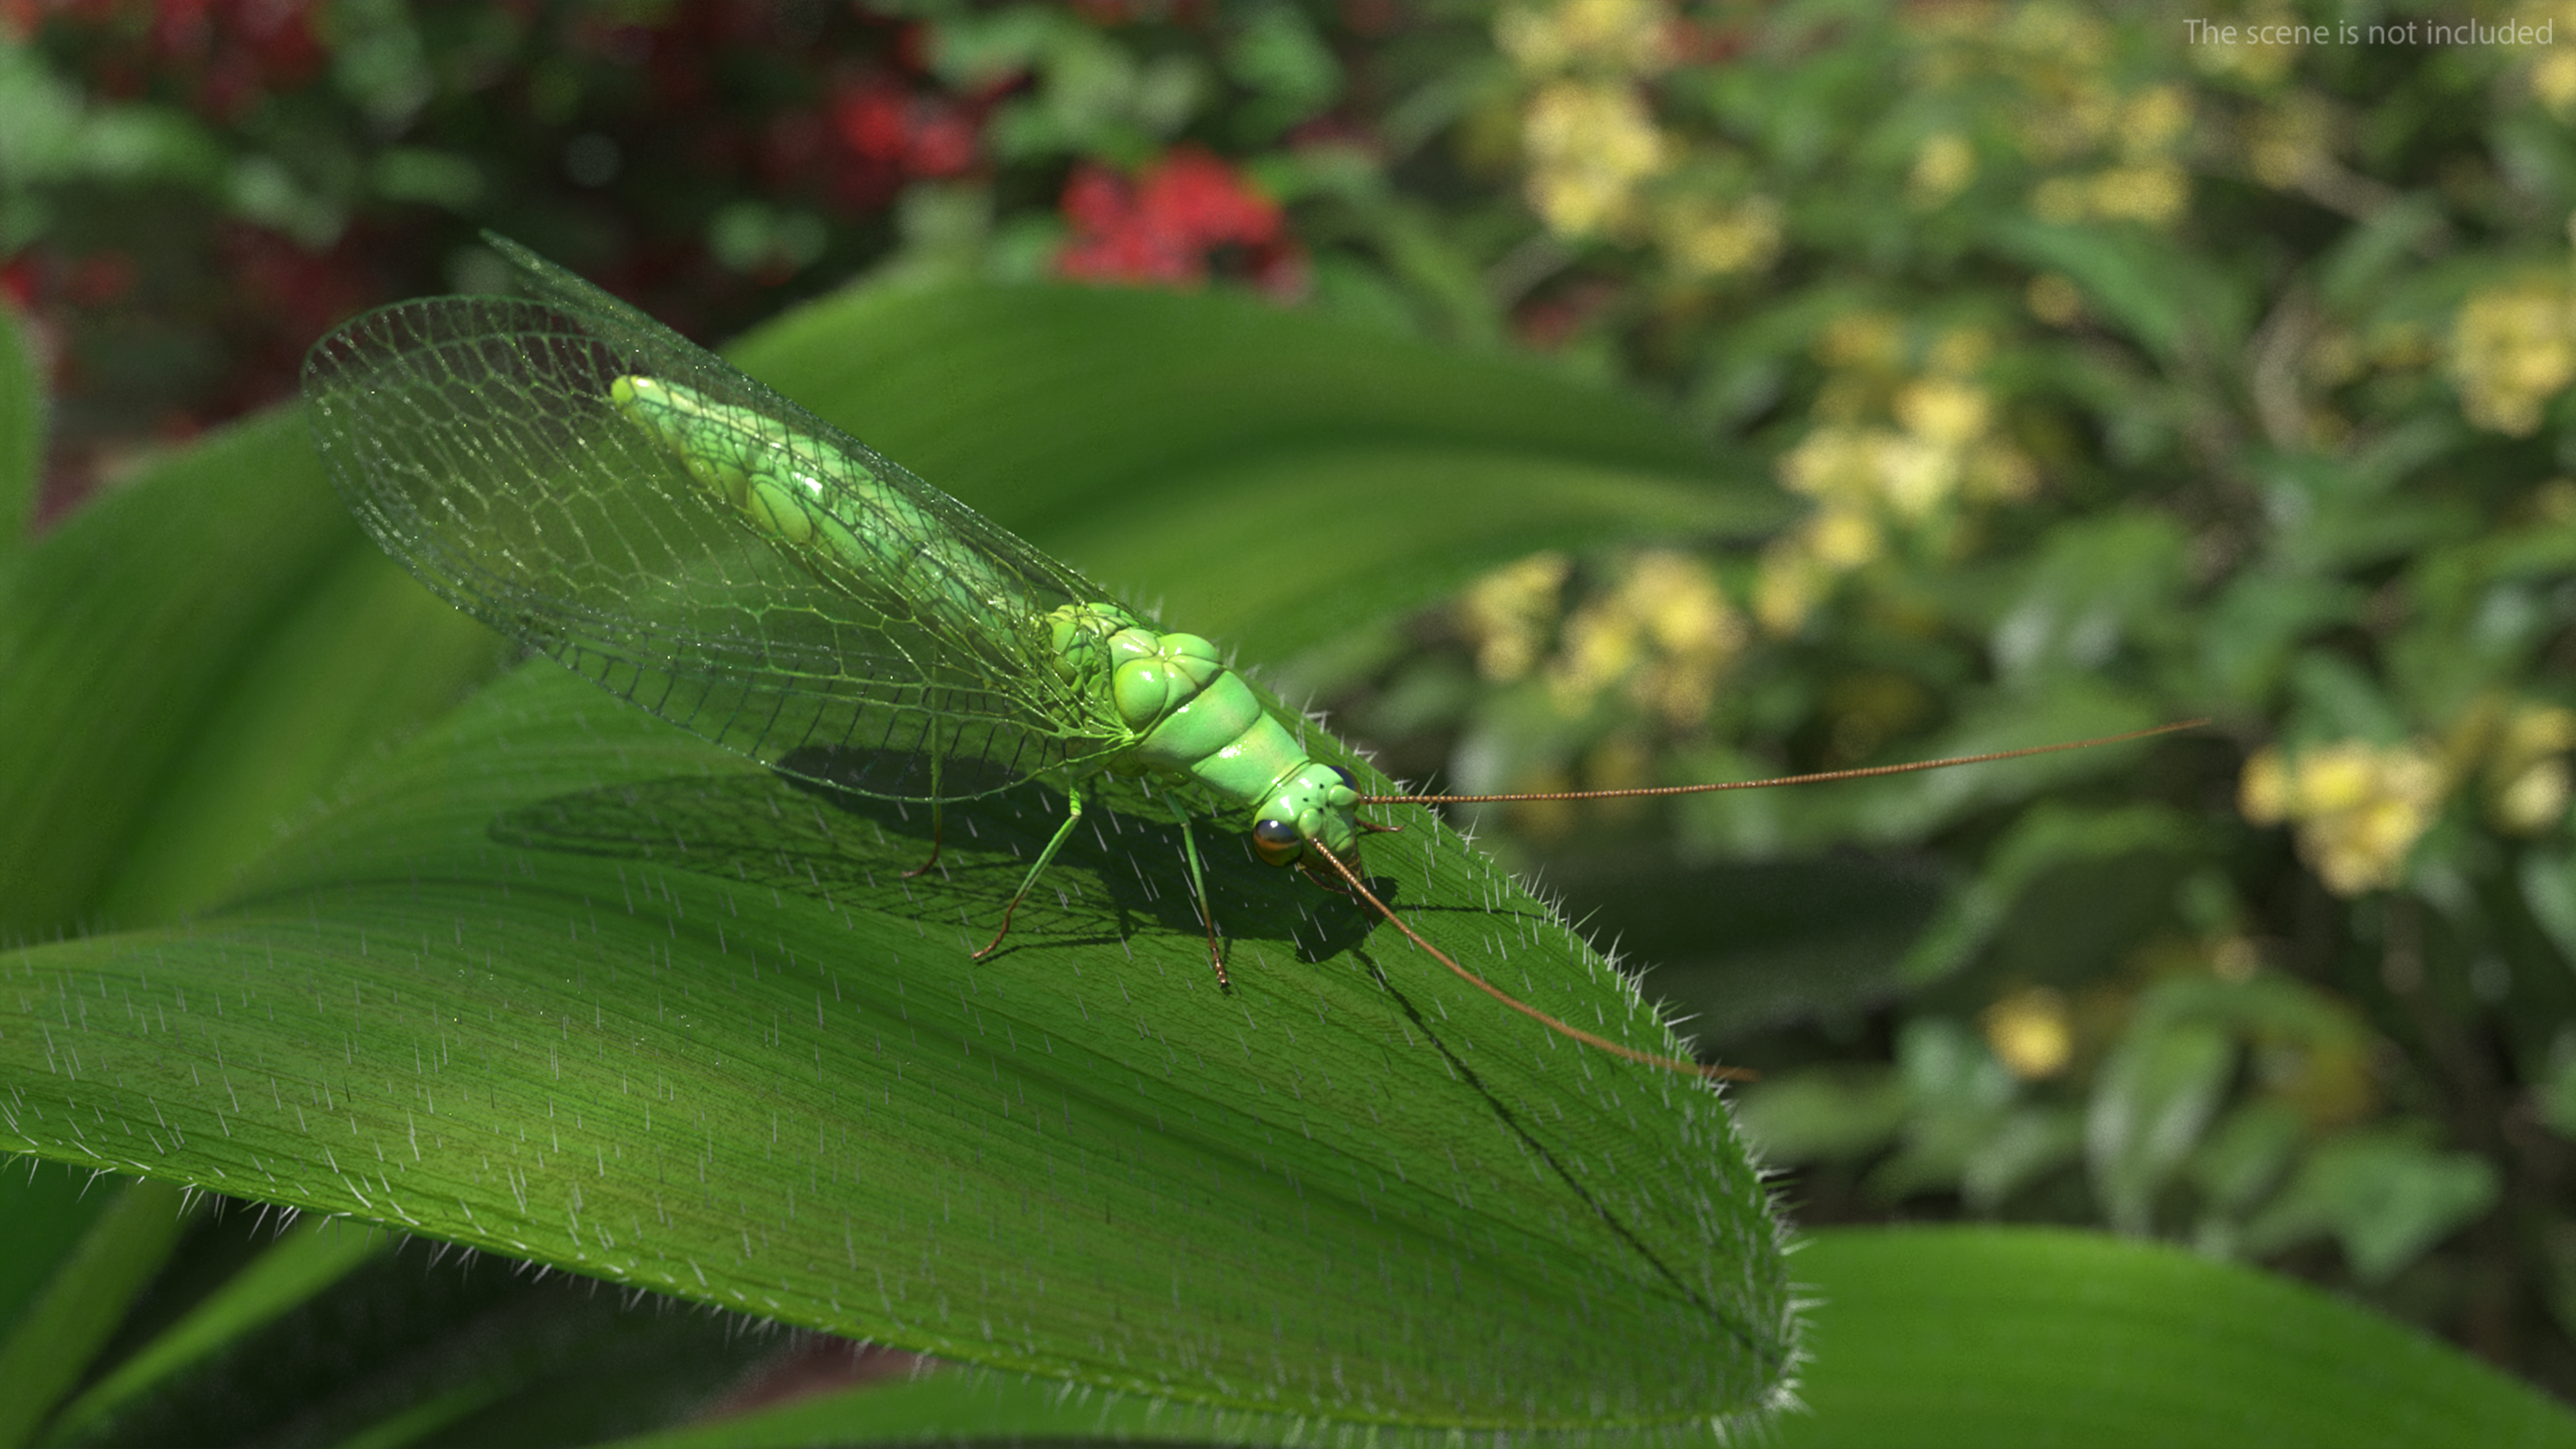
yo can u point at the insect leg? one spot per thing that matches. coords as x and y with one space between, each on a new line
938 817
1072 817
1198 889
1321 879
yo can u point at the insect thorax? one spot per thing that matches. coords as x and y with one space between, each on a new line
1191 716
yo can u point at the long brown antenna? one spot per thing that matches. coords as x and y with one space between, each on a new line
1862 774
1672 1064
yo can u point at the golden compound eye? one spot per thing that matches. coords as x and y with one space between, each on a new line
1275 841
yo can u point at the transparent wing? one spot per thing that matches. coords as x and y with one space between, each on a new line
475 439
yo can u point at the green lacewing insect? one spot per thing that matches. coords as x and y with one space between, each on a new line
588 482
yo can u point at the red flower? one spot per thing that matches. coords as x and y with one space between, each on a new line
870 120
1195 197
940 143
100 278
1163 227
917 135
230 53
18 281
1096 200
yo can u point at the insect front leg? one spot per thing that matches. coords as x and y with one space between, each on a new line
1198 891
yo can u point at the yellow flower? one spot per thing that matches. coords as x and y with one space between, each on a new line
1589 145
1833 465
2337 779
2290 142
2260 63
2155 119
1861 339
1705 239
1627 36
2072 34
2536 730
1696 632
2527 769
1942 412
2553 82
1507 613
1915 476
1789 586
1667 630
1682 606
1868 479
2534 799
2512 350
2031 1032
2156 193
2263 792
1943 166
1600 647
2054 299
2359 807
1843 539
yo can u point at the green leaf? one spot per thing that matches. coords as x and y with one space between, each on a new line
2336 515
217 644
54 1339
2255 623
44 1209
2046 840
2150 1105
567 984
1960 1095
2241 1161
22 431
1995 1338
309 1258
1904 809
2385 1197
2094 585
2174 305
2548 881
554 979
1824 1113
438 1348
2029 1143
2000 1338
1740 947
2379 250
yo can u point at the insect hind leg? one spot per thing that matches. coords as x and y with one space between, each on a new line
1064 832
938 818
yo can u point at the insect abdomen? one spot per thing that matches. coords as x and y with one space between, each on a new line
798 489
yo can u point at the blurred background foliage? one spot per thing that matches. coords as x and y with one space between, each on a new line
2129 373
